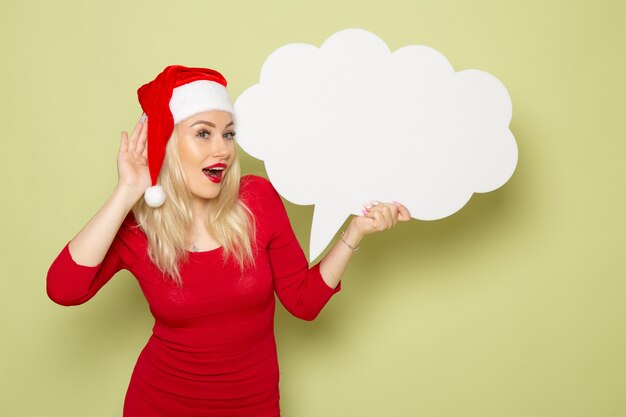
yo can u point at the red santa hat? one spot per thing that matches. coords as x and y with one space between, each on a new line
174 95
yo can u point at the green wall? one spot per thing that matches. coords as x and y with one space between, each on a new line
512 307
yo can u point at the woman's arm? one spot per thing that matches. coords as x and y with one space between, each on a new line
376 217
305 290
91 244
90 259
93 241
334 263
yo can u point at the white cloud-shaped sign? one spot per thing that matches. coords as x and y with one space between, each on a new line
351 121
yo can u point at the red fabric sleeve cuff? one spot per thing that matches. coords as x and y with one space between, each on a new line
320 285
66 257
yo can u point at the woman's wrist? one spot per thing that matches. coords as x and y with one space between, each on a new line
127 195
351 236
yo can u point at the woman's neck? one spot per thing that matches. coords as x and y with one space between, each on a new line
199 212
198 235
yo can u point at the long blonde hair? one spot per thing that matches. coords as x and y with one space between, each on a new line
230 221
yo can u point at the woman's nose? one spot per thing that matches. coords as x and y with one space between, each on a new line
220 148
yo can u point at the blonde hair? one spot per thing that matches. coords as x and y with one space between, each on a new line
230 221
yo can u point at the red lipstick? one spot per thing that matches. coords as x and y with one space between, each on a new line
214 172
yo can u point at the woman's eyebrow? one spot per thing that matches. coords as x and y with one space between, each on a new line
209 123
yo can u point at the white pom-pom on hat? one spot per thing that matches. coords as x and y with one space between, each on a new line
154 196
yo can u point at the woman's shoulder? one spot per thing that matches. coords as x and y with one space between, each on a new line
252 181
130 234
128 243
258 191
256 186
263 200
130 224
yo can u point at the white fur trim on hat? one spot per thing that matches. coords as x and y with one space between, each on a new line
197 97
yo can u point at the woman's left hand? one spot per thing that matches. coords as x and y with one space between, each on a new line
379 216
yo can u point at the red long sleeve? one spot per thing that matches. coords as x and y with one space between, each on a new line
300 289
69 283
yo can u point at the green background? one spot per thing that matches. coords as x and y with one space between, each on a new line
514 306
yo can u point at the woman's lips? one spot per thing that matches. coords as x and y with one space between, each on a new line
216 180
214 172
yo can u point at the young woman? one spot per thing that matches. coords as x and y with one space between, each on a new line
209 249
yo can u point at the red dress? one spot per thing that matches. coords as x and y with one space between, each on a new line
212 351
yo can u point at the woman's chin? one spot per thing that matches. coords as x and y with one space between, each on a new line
206 194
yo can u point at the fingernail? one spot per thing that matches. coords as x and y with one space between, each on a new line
374 202
143 118
396 203
368 206
364 211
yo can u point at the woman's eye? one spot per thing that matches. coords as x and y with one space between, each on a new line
230 135
203 133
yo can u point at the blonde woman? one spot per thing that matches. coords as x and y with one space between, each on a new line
209 249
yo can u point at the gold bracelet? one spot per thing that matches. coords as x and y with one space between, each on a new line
355 250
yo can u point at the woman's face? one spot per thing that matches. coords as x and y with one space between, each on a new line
206 148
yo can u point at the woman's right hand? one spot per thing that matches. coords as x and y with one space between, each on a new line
132 160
